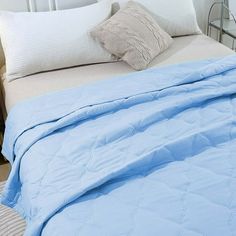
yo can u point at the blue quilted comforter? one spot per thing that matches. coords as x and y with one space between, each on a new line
151 153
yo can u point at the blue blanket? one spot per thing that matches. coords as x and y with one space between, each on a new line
150 153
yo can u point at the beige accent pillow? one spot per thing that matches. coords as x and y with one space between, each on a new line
133 35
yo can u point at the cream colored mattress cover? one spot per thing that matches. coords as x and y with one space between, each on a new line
184 49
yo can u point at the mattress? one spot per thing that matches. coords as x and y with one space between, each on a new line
186 48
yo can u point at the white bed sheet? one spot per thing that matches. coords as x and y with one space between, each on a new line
184 49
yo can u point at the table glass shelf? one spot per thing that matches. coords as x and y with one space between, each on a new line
228 27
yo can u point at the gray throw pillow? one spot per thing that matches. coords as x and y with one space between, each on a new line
133 35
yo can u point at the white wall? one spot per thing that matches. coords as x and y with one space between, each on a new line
202 8
13 5
41 5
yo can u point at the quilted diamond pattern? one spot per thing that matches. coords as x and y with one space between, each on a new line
156 156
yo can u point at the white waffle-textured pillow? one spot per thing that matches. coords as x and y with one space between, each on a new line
43 41
176 17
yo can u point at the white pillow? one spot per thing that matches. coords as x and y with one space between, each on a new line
176 17
43 41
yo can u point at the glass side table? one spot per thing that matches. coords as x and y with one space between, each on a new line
223 25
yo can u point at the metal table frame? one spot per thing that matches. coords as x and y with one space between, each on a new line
222 25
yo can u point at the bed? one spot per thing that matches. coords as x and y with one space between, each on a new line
179 181
188 48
